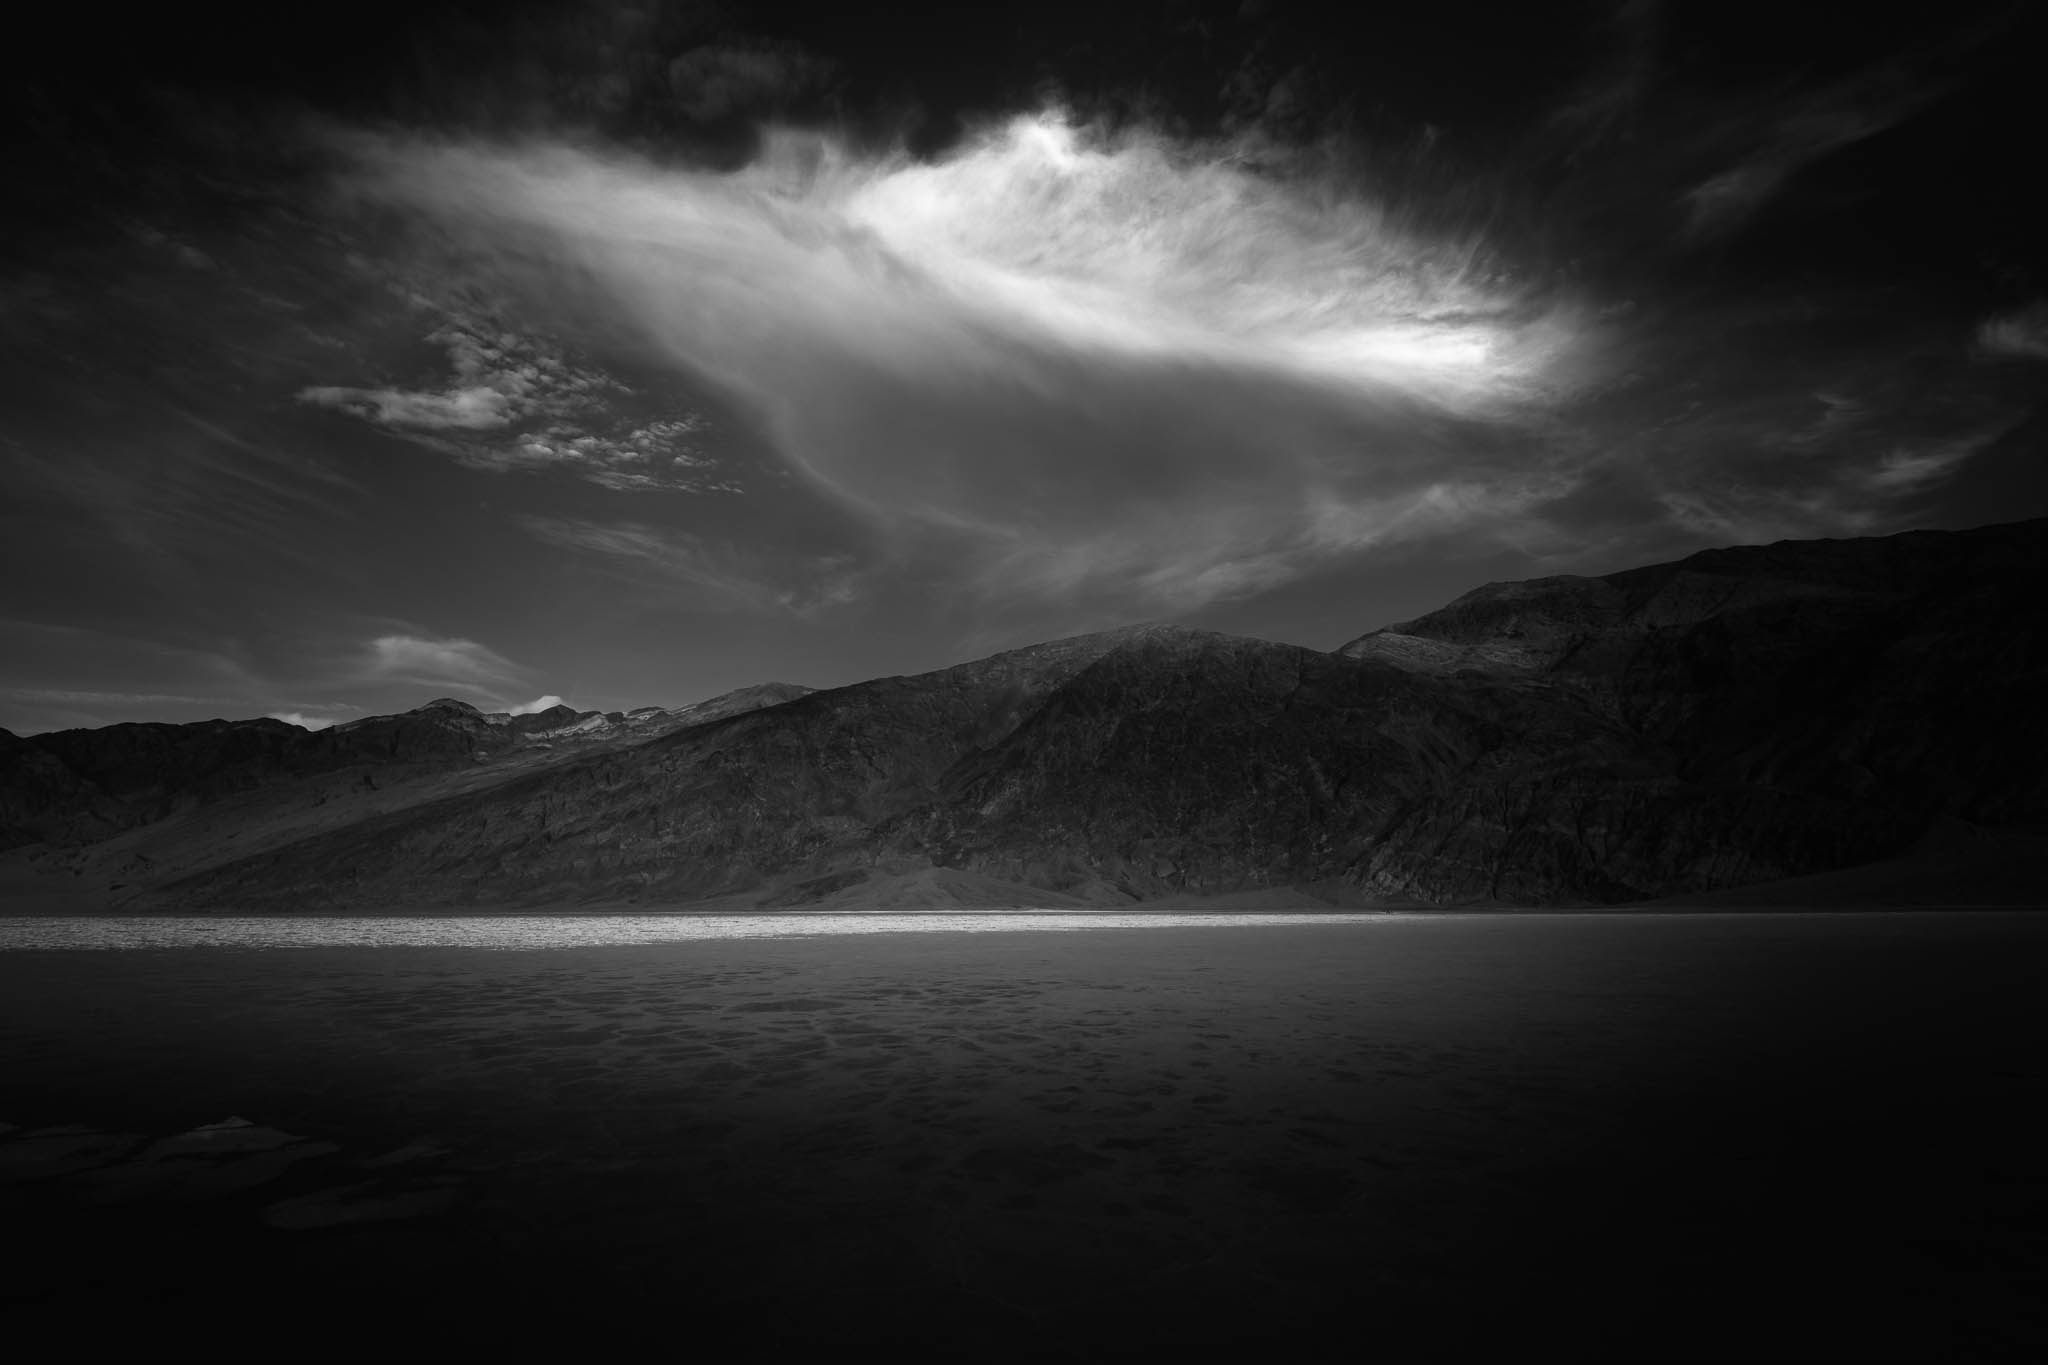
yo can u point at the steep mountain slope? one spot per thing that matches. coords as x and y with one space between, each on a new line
1211 764
1735 718
1903 673
119 808
800 792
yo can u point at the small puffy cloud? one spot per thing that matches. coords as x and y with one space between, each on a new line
302 720
537 705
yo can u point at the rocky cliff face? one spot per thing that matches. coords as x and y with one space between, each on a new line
1732 718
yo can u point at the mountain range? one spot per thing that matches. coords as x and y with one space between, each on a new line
1868 709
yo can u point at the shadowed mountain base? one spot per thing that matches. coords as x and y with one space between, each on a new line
1732 719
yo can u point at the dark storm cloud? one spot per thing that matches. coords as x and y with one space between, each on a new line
725 80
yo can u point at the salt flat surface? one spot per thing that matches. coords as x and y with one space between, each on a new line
581 931
1199 1137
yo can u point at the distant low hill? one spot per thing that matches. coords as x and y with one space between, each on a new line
95 817
1732 719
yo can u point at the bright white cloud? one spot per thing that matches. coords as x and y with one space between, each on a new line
302 720
1135 368
1140 247
1147 249
538 704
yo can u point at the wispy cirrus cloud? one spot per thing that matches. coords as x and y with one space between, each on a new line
204 491
69 696
1907 468
516 402
1050 352
657 456
58 677
86 659
713 575
1099 366
1871 495
500 378
1749 433
1769 139
2020 334
1816 126
1838 461
437 662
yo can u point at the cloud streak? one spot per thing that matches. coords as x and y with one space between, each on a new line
1818 126
437 662
2020 335
704 573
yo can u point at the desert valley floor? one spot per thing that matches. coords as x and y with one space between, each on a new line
1661 1137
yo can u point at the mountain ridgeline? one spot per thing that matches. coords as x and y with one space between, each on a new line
1736 717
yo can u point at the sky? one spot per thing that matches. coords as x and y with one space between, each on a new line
623 354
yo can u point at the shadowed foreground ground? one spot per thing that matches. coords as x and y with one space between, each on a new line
1646 1139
